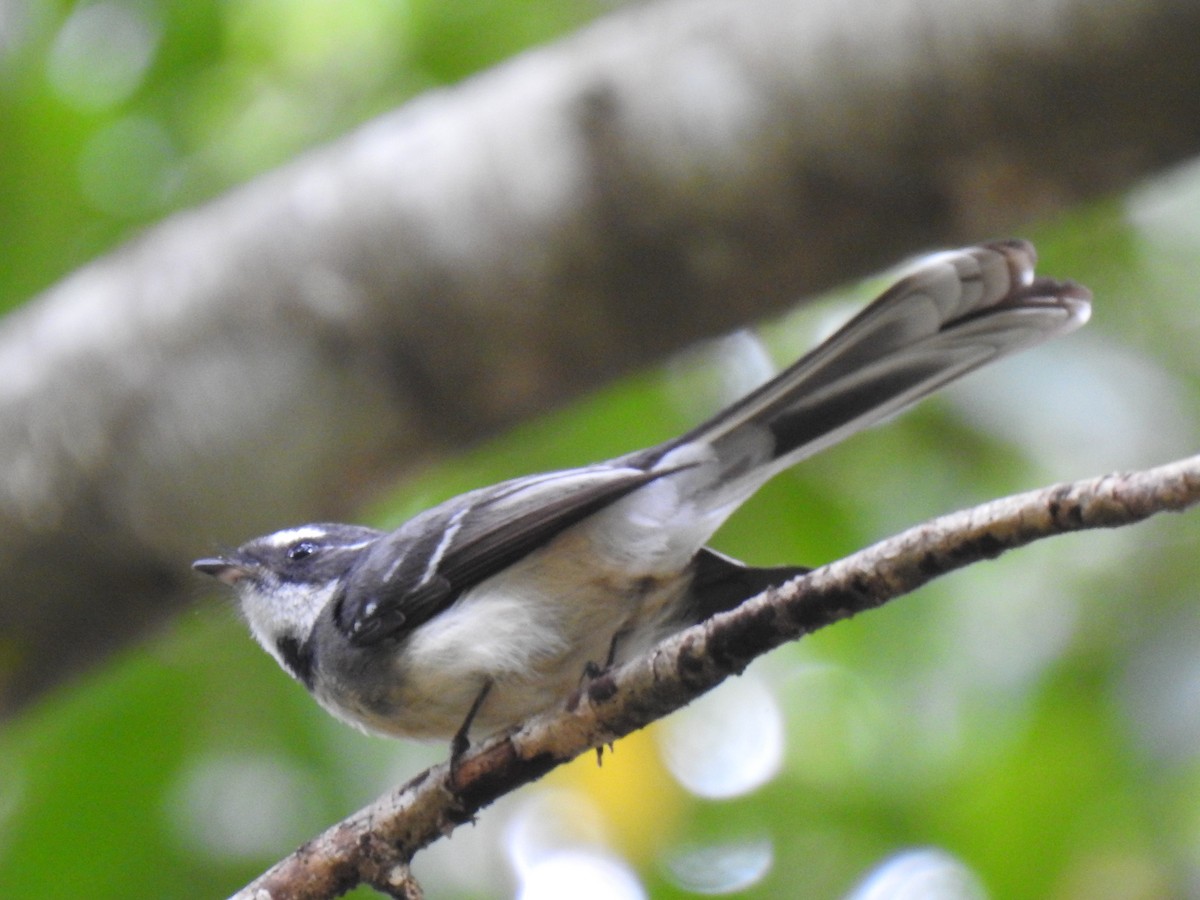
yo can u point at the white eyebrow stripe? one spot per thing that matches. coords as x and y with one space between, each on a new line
288 536
283 539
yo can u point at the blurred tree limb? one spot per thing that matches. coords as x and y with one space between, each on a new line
490 250
375 844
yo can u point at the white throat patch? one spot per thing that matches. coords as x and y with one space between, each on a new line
277 611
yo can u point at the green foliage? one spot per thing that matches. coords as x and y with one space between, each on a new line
115 113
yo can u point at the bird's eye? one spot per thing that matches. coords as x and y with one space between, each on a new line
302 550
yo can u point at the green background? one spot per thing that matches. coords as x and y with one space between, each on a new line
1033 723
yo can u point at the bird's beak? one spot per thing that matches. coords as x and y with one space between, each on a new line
221 569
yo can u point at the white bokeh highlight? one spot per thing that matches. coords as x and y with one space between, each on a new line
101 54
728 743
243 806
921 874
722 868
580 875
550 822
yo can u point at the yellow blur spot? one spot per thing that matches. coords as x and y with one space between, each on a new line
640 801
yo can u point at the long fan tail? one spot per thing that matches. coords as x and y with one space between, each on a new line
955 312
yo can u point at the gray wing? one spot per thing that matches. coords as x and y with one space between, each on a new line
417 571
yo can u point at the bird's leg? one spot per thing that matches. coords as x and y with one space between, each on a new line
461 741
592 671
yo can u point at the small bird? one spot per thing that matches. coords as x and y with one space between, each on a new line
489 607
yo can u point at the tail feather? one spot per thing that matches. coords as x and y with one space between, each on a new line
720 583
955 312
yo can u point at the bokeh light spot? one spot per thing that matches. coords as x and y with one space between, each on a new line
727 743
243 807
721 868
923 874
549 823
101 54
580 875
